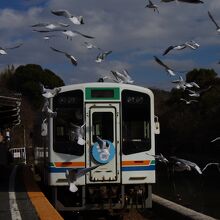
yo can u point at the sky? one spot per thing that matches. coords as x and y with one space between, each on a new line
134 34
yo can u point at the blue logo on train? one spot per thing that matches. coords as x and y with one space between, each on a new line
104 155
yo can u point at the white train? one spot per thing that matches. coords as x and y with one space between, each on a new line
121 114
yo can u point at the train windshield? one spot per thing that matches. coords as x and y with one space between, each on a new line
69 108
135 122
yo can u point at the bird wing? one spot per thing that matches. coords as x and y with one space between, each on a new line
168 49
204 90
125 73
54 49
213 20
108 52
84 35
14 46
85 170
160 62
64 13
150 2
216 139
100 142
116 75
193 101
191 1
63 24
39 25
183 100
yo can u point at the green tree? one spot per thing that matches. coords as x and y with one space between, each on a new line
28 79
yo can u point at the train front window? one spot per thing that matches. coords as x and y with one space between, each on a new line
69 108
135 122
102 125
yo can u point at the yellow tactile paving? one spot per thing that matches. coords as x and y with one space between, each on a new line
42 206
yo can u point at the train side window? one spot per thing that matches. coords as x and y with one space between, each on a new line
135 122
69 108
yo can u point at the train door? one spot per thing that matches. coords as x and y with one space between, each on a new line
102 122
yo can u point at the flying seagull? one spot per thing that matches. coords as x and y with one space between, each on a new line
217 26
74 19
122 77
71 57
73 174
181 165
50 93
188 102
168 69
3 51
191 44
101 56
152 5
78 133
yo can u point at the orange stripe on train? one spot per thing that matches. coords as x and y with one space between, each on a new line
135 162
69 164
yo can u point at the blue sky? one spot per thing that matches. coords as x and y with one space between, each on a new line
135 35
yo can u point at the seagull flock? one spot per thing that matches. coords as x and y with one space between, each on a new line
179 164
78 131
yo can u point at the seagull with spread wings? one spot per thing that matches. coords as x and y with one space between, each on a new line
73 174
49 93
213 20
188 102
74 19
182 164
3 51
71 57
190 44
167 68
122 77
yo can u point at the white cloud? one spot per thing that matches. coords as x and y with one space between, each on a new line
134 33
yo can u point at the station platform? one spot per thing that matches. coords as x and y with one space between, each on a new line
22 199
20 196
